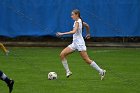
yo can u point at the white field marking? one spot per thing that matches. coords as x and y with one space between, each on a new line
103 51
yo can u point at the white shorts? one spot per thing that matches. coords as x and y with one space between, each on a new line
79 47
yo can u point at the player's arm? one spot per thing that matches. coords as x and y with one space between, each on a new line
70 32
87 30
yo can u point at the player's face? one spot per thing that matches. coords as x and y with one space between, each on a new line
74 16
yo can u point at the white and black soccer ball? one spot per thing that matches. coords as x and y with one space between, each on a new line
52 75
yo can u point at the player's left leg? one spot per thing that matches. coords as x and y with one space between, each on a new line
4 49
93 64
8 81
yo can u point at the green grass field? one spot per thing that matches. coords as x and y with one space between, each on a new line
29 68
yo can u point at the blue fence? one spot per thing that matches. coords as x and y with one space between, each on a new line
107 18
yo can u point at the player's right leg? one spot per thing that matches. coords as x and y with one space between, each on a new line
8 81
63 56
4 49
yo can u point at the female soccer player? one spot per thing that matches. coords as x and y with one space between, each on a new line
8 81
78 44
4 49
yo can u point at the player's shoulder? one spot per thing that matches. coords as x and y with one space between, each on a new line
79 20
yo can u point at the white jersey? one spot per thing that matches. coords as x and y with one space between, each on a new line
77 37
78 40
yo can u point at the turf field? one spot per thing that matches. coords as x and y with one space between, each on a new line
29 68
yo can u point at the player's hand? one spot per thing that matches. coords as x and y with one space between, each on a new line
59 34
87 36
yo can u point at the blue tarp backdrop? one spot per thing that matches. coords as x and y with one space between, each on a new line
107 18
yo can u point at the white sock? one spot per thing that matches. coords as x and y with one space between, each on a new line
65 64
94 65
3 77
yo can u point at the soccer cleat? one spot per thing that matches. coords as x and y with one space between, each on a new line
10 85
102 74
68 74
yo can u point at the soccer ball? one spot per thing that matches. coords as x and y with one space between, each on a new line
52 75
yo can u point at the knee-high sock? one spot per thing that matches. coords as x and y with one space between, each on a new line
94 65
4 77
65 64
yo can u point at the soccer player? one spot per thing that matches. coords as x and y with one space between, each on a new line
8 81
78 44
4 49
